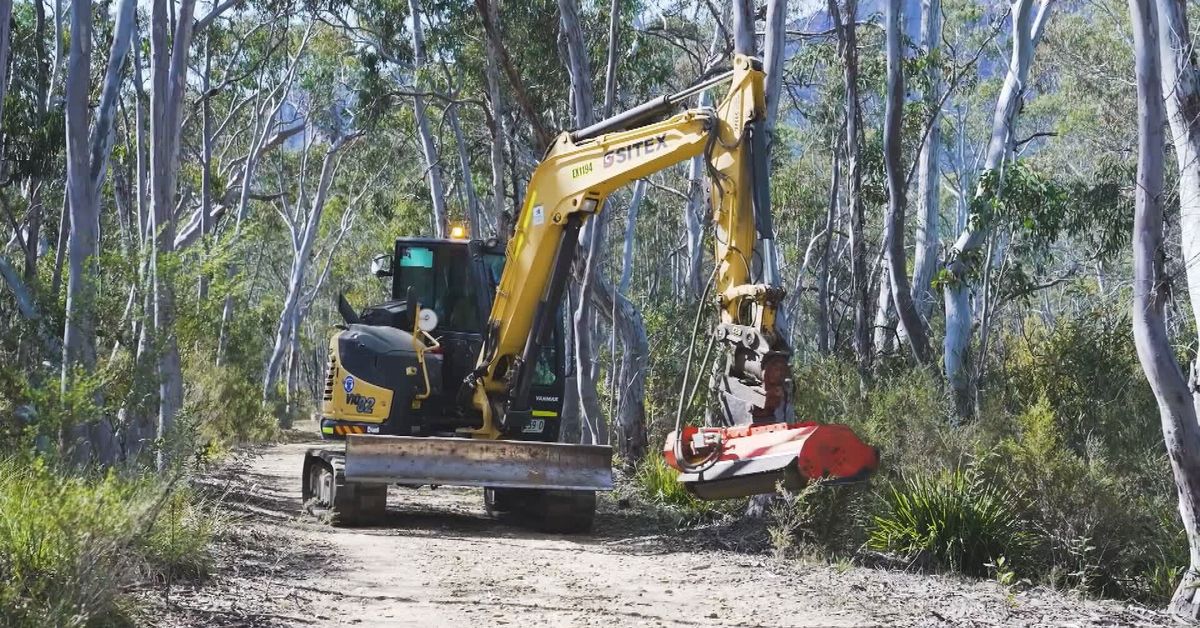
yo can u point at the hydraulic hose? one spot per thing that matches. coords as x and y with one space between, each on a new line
680 458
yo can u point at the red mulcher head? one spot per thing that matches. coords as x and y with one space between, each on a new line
729 462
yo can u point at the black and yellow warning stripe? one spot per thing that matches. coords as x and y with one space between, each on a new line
342 430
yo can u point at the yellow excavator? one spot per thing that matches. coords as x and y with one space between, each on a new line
459 379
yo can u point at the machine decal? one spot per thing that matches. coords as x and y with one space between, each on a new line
547 398
362 404
579 171
535 426
544 413
348 384
636 149
539 215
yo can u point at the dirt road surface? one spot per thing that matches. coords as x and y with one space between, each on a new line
439 561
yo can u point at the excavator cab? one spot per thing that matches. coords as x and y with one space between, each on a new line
440 294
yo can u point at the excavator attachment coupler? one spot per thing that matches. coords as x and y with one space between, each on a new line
477 462
725 463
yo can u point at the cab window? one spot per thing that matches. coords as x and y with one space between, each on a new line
440 279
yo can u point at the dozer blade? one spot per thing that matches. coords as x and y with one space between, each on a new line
475 462
754 459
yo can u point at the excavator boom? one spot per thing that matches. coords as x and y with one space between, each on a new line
570 186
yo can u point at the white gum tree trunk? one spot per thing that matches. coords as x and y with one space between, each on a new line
846 26
169 48
87 160
1151 290
79 336
965 256
925 256
1181 91
433 169
303 237
897 267
499 137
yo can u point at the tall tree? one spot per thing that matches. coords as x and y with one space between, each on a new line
592 234
79 337
929 166
965 258
433 167
170 45
1181 90
897 266
1151 291
845 25
303 222
490 15
1165 50
88 148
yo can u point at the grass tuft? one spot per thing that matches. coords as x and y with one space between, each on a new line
956 520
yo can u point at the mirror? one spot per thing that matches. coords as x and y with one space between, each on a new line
381 265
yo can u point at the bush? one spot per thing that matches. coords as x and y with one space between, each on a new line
955 519
68 543
821 519
225 406
1094 525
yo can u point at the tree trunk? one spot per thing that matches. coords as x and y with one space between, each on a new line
104 131
610 67
578 66
433 168
957 291
6 57
824 318
929 167
206 156
1176 399
591 235
883 331
168 64
295 287
79 336
1181 89
474 215
743 27
631 418
906 312
774 48
695 209
859 279
635 204
490 15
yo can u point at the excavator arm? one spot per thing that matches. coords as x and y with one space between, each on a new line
757 448
572 184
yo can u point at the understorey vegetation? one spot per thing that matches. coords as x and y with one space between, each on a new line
1062 480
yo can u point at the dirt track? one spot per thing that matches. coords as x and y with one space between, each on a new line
440 561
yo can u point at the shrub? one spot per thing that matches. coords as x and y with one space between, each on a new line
822 519
224 406
1095 525
68 543
955 519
